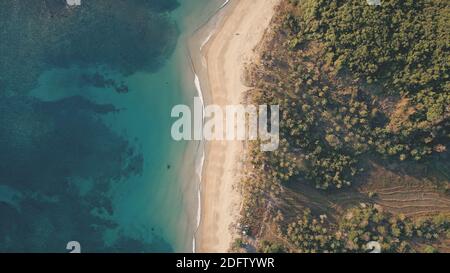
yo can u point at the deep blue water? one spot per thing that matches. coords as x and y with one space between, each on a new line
85 147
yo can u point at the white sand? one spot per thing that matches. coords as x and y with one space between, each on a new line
226 54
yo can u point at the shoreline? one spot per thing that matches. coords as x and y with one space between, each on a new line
194 50
231 44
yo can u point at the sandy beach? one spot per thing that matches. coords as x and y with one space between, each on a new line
226 54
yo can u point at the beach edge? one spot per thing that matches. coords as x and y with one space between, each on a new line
227 53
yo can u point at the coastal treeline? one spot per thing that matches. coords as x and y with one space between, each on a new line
354 79
354 83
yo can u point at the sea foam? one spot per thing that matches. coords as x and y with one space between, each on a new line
200 161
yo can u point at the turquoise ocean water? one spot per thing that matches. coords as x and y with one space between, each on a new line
85 147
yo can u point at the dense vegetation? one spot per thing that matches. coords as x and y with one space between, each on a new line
359 227
354 79
354 83
403 46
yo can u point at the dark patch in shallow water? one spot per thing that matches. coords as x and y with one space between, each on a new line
49 149
126 36
99 80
